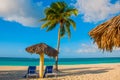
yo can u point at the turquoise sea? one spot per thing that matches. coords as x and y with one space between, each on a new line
50 61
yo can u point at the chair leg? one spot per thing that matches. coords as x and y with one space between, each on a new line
27 77
55 75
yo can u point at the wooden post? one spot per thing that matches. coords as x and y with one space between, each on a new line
41 67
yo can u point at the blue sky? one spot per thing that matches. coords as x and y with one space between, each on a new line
19 27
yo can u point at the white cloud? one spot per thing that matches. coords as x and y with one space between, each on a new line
82 48
87 48
24 12
97 10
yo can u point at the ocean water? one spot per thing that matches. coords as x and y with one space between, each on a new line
51 61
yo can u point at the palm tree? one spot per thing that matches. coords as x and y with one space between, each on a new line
59 13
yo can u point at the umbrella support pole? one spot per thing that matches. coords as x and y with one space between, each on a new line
41 68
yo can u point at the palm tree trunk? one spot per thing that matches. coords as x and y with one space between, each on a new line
58 47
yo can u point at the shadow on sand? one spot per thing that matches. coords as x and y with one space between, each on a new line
12 75
83 71
19 75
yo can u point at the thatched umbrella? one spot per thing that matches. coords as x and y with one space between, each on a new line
42 49
107 35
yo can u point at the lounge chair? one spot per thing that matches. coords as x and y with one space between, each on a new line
49 71
31 72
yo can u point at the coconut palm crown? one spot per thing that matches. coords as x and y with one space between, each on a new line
59 13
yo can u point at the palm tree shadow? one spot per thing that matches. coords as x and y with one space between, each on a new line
74 68
85 71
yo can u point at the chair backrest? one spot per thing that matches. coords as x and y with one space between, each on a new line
49 69
31 69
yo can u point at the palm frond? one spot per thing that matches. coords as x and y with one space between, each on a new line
45 24
71 11
44 19
49 11
72 23
62 31
52 26
59 6
67 28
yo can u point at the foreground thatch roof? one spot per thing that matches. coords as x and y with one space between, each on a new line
42 48
107 35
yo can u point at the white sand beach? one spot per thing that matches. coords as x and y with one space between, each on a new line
67 72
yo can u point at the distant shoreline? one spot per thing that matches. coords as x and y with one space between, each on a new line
61 64
65 64
51 61
60 58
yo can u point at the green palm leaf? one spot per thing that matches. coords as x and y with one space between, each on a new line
67 28
51 26
44 19
72 23
71 11
45 24
62 31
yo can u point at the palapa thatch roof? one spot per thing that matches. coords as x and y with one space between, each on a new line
42 48
107 35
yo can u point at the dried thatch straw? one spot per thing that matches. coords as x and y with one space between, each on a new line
107 35
42 48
